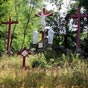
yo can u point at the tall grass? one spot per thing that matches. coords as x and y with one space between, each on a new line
64 72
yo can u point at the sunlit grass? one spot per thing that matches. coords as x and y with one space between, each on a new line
59 73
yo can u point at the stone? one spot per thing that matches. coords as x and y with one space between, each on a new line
40 45
50 36
35 37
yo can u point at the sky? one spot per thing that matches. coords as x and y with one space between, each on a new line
63 11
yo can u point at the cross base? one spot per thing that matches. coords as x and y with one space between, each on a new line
24 68
78 50
9 52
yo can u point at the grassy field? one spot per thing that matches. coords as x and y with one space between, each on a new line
44 72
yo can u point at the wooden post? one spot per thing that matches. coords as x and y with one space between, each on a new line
10 22
78 16
78 32
24 62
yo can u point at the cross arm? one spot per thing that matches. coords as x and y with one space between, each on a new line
49 14
14 22
73 16
84 15
39 14
4 22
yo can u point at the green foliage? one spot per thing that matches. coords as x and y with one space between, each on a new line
24 12
39 61
84 46
83 3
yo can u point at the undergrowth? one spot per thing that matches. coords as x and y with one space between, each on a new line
65 72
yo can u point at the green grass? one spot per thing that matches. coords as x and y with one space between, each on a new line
64 72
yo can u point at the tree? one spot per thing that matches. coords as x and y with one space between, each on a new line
60 26
24 12
84 3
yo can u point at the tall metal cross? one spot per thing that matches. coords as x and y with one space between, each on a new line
78 16
43 16
9 23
